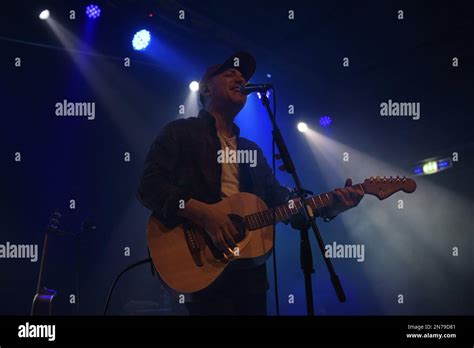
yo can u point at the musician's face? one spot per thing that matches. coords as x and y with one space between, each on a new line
224 89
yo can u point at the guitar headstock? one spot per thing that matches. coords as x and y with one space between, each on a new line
383 187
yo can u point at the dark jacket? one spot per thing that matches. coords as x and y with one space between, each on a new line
182 164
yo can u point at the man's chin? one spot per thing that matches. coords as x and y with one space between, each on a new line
234 104
239 101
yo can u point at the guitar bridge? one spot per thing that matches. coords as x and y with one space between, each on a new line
193 246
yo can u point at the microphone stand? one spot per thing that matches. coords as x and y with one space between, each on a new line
306 258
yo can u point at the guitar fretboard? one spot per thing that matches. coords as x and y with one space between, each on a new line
286 211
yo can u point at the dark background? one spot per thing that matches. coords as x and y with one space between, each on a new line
407 252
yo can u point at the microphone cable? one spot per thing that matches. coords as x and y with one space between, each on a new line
142 262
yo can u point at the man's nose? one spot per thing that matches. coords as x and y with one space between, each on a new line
240 80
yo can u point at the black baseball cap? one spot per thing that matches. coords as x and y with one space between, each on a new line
241 61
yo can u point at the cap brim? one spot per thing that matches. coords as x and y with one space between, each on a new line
241 61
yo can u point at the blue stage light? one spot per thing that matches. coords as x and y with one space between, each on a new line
444 163
93 11
141 40
325 121
431 166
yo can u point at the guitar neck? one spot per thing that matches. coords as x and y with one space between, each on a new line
286 211
43 260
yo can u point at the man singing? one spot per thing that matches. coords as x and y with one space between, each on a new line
182 165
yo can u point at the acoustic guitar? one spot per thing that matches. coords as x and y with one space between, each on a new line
44 298
187 260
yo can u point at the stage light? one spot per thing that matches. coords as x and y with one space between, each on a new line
141 40
432 166
325 121
444 163
44 15
93 11
269 76
194 86
302 127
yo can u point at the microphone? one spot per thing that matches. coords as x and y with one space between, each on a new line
251 88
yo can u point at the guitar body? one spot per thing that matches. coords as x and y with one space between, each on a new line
187 260
43 302
185 257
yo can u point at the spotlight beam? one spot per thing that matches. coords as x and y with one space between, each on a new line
111 98
396 238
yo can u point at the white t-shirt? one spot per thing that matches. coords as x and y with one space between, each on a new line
230 171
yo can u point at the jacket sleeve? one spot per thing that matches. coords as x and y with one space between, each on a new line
156 190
